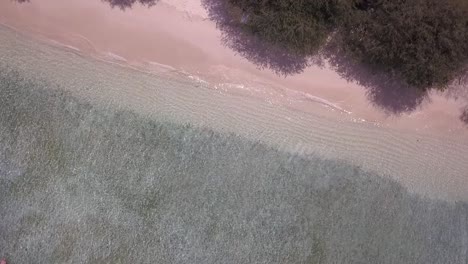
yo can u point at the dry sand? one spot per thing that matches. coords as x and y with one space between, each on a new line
313 112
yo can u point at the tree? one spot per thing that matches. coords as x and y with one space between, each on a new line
300 26
129 3
425 42
119 3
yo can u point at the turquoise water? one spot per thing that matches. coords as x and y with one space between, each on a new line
87 184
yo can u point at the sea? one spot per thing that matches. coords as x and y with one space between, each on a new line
101 163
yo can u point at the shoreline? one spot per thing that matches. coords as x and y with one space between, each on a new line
427 161
192 46
428 164
106 186
183 152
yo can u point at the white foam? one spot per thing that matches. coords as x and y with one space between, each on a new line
197 79
115 56
64 45
164 66
307 96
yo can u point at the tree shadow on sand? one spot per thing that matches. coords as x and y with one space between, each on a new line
459 91
464 116
263 55
388 93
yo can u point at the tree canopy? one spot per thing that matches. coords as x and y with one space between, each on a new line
129 3
301 26
120 3
423 42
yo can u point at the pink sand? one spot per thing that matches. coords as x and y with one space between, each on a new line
178 34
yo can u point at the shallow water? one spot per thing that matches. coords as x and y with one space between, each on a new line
88 184
425 163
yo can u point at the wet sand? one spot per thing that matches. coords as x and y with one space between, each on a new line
176 69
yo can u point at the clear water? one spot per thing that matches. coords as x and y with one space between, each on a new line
82 184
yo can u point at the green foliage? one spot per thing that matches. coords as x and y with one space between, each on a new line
422 41
301 26
129 3
122 4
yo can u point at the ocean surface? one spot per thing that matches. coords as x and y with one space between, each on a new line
84 180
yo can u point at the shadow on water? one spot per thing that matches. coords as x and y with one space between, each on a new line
108 186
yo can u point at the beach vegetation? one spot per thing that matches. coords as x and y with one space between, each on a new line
123 4
129 3
425 42
300 26
422 42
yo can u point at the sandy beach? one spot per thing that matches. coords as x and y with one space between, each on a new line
322 112
179 34
142 136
